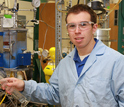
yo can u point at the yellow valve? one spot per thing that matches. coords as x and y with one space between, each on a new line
48 71
52 53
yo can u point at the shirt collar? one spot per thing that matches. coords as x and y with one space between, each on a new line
76 56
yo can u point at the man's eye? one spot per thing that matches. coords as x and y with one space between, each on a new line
83 24
72 26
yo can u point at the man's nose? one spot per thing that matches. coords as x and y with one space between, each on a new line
77 29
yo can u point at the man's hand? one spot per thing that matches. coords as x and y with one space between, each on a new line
8 84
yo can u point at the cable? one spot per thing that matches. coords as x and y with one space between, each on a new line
43 48
42 10
3 98
47 24
45 37
41 15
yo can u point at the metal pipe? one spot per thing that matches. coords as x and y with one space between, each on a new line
15 4
14 20
26 9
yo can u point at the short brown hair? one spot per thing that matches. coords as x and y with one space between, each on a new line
80 8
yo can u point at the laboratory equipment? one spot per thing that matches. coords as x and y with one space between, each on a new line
18 96
36 3
97 6
103 35
14 56
13 43
49 69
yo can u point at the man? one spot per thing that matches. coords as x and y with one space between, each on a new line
92 75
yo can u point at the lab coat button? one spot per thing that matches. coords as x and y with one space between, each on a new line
77 106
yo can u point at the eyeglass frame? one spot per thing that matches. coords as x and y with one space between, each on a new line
89 22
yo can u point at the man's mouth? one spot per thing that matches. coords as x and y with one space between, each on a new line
79 38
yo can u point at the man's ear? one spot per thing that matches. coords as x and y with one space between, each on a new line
94 28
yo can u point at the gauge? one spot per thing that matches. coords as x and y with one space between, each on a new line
45 53
36 3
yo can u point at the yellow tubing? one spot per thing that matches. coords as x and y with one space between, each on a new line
3 98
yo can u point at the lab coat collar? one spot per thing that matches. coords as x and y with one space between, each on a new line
98 50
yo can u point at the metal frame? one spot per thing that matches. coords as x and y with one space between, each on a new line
121 28
58 34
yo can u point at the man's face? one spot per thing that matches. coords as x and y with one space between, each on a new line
82 35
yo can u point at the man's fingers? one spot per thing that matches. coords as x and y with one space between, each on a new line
13 83
2 81
7 82
9 90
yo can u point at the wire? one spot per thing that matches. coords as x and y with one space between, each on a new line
43 47
41 15
42 10
47 24
45 35
3 98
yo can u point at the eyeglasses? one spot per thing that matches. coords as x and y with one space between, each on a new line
82 25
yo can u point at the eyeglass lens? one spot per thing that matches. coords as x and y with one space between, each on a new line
82 26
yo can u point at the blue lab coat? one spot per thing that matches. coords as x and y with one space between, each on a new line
100 84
